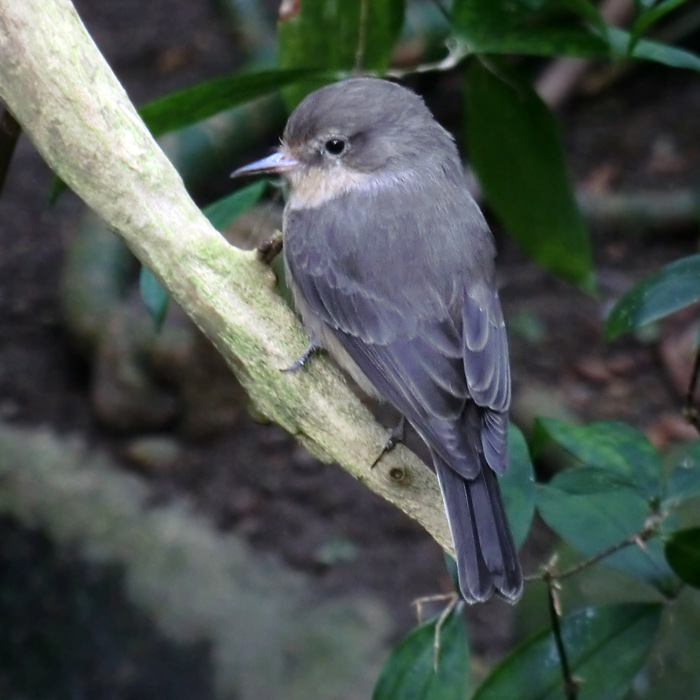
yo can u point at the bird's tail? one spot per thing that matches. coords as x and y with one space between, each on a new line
487 560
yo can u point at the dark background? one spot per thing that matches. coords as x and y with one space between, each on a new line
69 624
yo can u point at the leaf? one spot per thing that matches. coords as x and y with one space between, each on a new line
606 647
226 210
651 16
513 27
588 480
674 287
683 554
608 446
185 107
328 35
410 674
584 9
515 150
684 481
550 41
154 297
499 27
594 522
664 54
518 486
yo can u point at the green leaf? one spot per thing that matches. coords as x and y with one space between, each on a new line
518 486
583 9
185 107
684 481
674 287
154 297
513 27
410 673
608 446
651 16
683 554
664 54
550 41
505 27
606 647
329 35
452 571
226 210
593 522
515 150
587 480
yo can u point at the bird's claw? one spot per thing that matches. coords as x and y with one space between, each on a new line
311 348
269 249
396 436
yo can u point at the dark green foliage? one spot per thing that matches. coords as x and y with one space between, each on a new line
154 297
672 288
620 490
683 554
226 210
191 105
606 648
518 486
338 36
515 149
415 671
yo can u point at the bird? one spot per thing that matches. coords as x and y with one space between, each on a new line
392 269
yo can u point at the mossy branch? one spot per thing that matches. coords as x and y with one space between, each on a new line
69 103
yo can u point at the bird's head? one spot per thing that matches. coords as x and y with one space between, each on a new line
353 133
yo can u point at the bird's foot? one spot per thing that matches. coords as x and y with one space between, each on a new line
311 348
269 249
397 435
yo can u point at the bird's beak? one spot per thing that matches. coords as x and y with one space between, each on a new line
276 163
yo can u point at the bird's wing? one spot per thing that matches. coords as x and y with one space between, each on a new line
427 339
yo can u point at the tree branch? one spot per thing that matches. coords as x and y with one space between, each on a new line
60 89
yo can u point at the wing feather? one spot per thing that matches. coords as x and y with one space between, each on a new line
429 337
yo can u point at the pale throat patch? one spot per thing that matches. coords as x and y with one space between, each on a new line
314 186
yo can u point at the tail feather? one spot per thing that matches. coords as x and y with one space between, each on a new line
487 560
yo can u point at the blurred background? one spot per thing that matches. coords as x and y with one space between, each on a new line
157 539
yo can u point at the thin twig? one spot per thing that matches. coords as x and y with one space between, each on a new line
571 685
638 538
457 51
453 599
362 35
690 412
420 602
438 628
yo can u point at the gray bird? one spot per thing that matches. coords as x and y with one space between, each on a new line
391 265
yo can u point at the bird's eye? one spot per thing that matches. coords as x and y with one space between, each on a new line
335 146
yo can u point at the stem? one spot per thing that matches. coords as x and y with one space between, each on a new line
637 538
571 685
457 51
438 629
362 35
690 412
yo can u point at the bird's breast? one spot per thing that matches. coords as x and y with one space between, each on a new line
315 186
